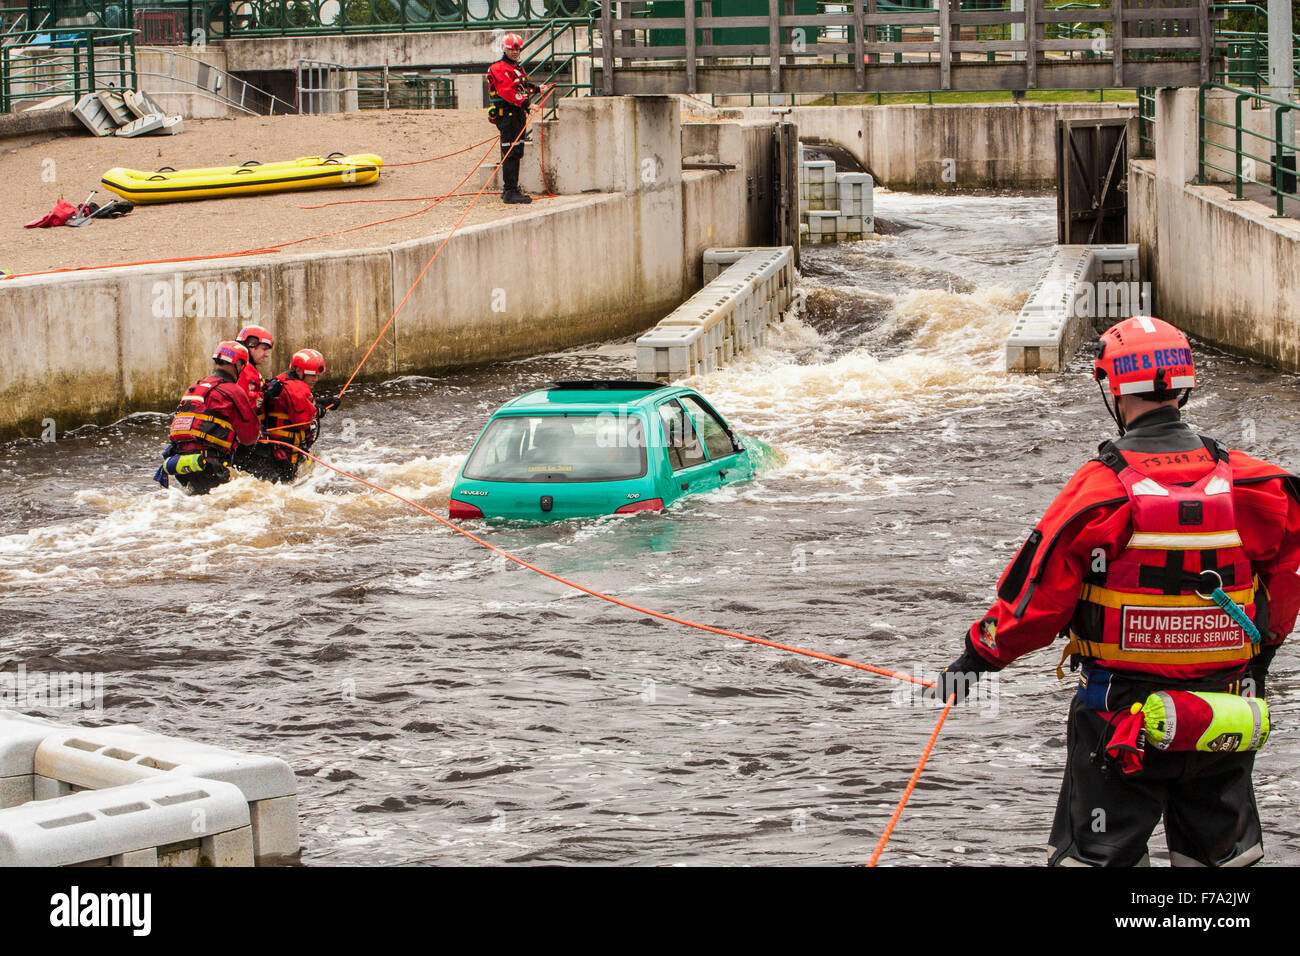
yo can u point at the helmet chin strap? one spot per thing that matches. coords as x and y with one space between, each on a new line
1113 411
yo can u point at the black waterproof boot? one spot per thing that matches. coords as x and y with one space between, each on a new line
516 196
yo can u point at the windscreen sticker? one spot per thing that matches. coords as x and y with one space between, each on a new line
566 468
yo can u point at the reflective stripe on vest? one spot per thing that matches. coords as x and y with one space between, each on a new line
1154 607
192 422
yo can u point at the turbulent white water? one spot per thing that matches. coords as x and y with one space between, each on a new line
439 703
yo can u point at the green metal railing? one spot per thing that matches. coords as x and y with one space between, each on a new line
38 64
1146 97
550 60
1241 36
1246 163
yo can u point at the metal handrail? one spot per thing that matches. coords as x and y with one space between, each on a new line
81 48
558 62
271 105
1281 148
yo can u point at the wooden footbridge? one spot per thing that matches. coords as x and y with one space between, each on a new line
878 46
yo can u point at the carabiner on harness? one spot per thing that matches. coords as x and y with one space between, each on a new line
1230 607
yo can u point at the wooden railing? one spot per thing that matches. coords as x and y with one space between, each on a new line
1132 43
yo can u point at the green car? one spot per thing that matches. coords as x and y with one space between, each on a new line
584 449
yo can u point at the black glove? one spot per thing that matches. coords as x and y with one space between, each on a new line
527 104
273 388
960 676
1257 671
329 404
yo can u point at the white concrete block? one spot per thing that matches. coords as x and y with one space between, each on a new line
99 825
96 758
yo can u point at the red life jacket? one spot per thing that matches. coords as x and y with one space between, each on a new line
194 427
1148 609
292 405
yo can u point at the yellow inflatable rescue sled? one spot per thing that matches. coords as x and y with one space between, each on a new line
216 182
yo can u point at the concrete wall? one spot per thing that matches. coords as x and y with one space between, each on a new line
96 345
942 147
372 49
1222 270
176 82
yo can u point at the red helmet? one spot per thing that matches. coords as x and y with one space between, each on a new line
231 352
254 332
1144 355
308 361
512 41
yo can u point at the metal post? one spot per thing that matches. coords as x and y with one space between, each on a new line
1281 173
1241 99
859 43
945 45
689 7
1031 44
706 36
1018 29
774 45
90 62
607 47
1281 77
1117 41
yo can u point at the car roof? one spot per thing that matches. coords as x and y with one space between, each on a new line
593 397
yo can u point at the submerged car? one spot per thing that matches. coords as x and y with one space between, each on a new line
590 448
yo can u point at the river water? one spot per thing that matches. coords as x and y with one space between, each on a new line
442 705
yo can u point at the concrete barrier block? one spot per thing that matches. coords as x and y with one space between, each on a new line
126 824
101 757
19 737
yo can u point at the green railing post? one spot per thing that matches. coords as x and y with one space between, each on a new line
90 62
76 72
1200 137
1241 98
1279 170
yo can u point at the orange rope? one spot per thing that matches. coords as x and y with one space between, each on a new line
916 775
352 202
277 247
434 159
605 597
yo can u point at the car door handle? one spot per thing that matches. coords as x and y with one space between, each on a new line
685 485
722 473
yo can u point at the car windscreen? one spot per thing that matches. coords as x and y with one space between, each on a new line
605 447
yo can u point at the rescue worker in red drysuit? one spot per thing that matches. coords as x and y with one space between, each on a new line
292 415
214 419
1161 521
511 95
257 341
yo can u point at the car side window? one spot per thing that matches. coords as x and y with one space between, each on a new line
684 447
716 438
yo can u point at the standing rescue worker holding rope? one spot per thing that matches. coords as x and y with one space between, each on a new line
510 93
1170 563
